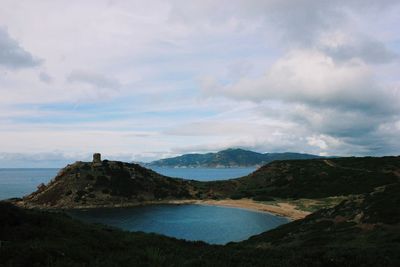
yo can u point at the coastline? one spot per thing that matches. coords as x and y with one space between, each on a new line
283 209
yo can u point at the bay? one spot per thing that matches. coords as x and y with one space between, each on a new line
211 224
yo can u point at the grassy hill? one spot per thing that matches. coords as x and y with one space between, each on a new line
228 158
107 183
361 231
314 178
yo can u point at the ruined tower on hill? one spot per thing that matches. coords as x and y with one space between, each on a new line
96 158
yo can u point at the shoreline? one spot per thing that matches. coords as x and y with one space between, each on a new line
283 209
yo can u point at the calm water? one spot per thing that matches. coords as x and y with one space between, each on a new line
215 225
204 174
20 182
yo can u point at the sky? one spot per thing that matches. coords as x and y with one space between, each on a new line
143 80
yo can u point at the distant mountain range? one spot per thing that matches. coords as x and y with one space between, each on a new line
227 158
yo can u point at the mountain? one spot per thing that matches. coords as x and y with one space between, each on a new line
227 158
361 231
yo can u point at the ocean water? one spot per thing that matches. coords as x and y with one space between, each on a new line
20 182
211 224
204 174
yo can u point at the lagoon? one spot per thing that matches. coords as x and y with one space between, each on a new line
211 224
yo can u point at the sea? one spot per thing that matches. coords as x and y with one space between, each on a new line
211 224
19 182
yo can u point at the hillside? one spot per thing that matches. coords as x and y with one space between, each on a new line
315 178
113 183
106 183
227 158
361 231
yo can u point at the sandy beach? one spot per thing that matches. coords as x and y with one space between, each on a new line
281 209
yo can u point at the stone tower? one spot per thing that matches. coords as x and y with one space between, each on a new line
96 158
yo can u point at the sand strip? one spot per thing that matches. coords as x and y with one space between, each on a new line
281 208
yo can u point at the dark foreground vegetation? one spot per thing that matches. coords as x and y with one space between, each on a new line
361 231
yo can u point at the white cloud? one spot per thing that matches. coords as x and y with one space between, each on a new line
94 79
311 77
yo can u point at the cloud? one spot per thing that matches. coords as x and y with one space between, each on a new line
94 79
343 47
44 77
279 75
297 22
313 78
34 160
340 106
12 55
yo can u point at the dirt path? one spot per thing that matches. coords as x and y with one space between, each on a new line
329 163
334 165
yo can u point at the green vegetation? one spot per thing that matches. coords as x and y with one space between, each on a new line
228 158
317 178
361 231
306 204
322 181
